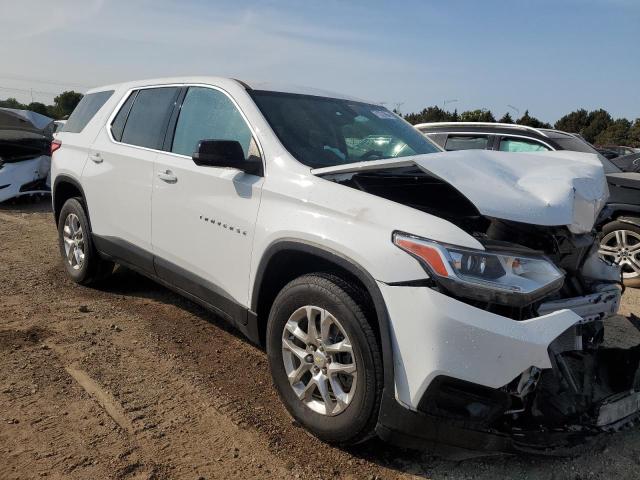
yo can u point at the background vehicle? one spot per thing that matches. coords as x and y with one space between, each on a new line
59 125
628 163
619 150
606 152
25 142
315 223
620 232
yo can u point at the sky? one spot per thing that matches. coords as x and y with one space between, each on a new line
547 56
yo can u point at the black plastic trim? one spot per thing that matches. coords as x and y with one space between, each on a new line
409 429
176 278
244 84
199 287
170 131
405 428
124 252
62 178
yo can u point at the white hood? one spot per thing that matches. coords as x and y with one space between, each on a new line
550 188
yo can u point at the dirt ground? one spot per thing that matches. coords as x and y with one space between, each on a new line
132 381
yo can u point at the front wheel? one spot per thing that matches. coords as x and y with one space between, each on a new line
325 359
620 244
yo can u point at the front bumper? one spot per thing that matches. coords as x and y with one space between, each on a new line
447 353
15 176
433 334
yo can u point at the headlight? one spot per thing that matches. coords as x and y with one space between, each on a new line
507 278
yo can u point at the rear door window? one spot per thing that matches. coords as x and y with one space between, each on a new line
85 111
467 142
149 116
521 145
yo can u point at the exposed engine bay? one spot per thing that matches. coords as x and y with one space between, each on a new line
417 189
591 388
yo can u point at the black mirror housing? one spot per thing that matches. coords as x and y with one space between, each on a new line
225 153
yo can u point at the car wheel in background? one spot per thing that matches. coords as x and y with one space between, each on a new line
620 243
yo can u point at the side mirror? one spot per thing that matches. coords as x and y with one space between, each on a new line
226 153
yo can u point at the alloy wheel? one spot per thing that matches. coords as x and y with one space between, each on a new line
623 248
73 241
318 360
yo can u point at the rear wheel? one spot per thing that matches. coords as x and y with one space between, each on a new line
79 256
620 244
325 359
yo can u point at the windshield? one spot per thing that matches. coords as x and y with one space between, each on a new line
325 132
575 144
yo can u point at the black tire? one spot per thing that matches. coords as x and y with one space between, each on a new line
93 268
357 421
617 225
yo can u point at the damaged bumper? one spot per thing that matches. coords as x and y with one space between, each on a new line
473 379
25 177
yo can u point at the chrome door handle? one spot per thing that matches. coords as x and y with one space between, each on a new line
167 176
96 158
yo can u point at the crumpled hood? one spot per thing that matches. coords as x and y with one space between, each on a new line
25 120
546 188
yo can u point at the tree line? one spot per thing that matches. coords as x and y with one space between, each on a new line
62 106
597 127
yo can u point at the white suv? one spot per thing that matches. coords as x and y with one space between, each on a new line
399 290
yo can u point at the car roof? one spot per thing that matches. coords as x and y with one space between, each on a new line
224 81
490 127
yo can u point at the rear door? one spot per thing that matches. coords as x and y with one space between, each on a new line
204 217
118 178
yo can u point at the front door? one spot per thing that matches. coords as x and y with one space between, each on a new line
203 217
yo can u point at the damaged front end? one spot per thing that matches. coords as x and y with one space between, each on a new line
593 385
544 240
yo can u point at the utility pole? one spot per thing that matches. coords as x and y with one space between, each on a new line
517 110
446 102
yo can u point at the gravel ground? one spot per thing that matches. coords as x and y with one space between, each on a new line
132 381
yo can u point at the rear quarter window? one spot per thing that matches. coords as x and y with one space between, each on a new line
86 110
117 126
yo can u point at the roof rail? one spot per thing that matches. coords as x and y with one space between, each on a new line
481 124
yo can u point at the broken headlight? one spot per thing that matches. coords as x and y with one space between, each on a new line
503 277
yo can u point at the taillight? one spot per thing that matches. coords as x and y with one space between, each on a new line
55 145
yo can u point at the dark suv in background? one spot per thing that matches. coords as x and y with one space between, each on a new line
620 231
